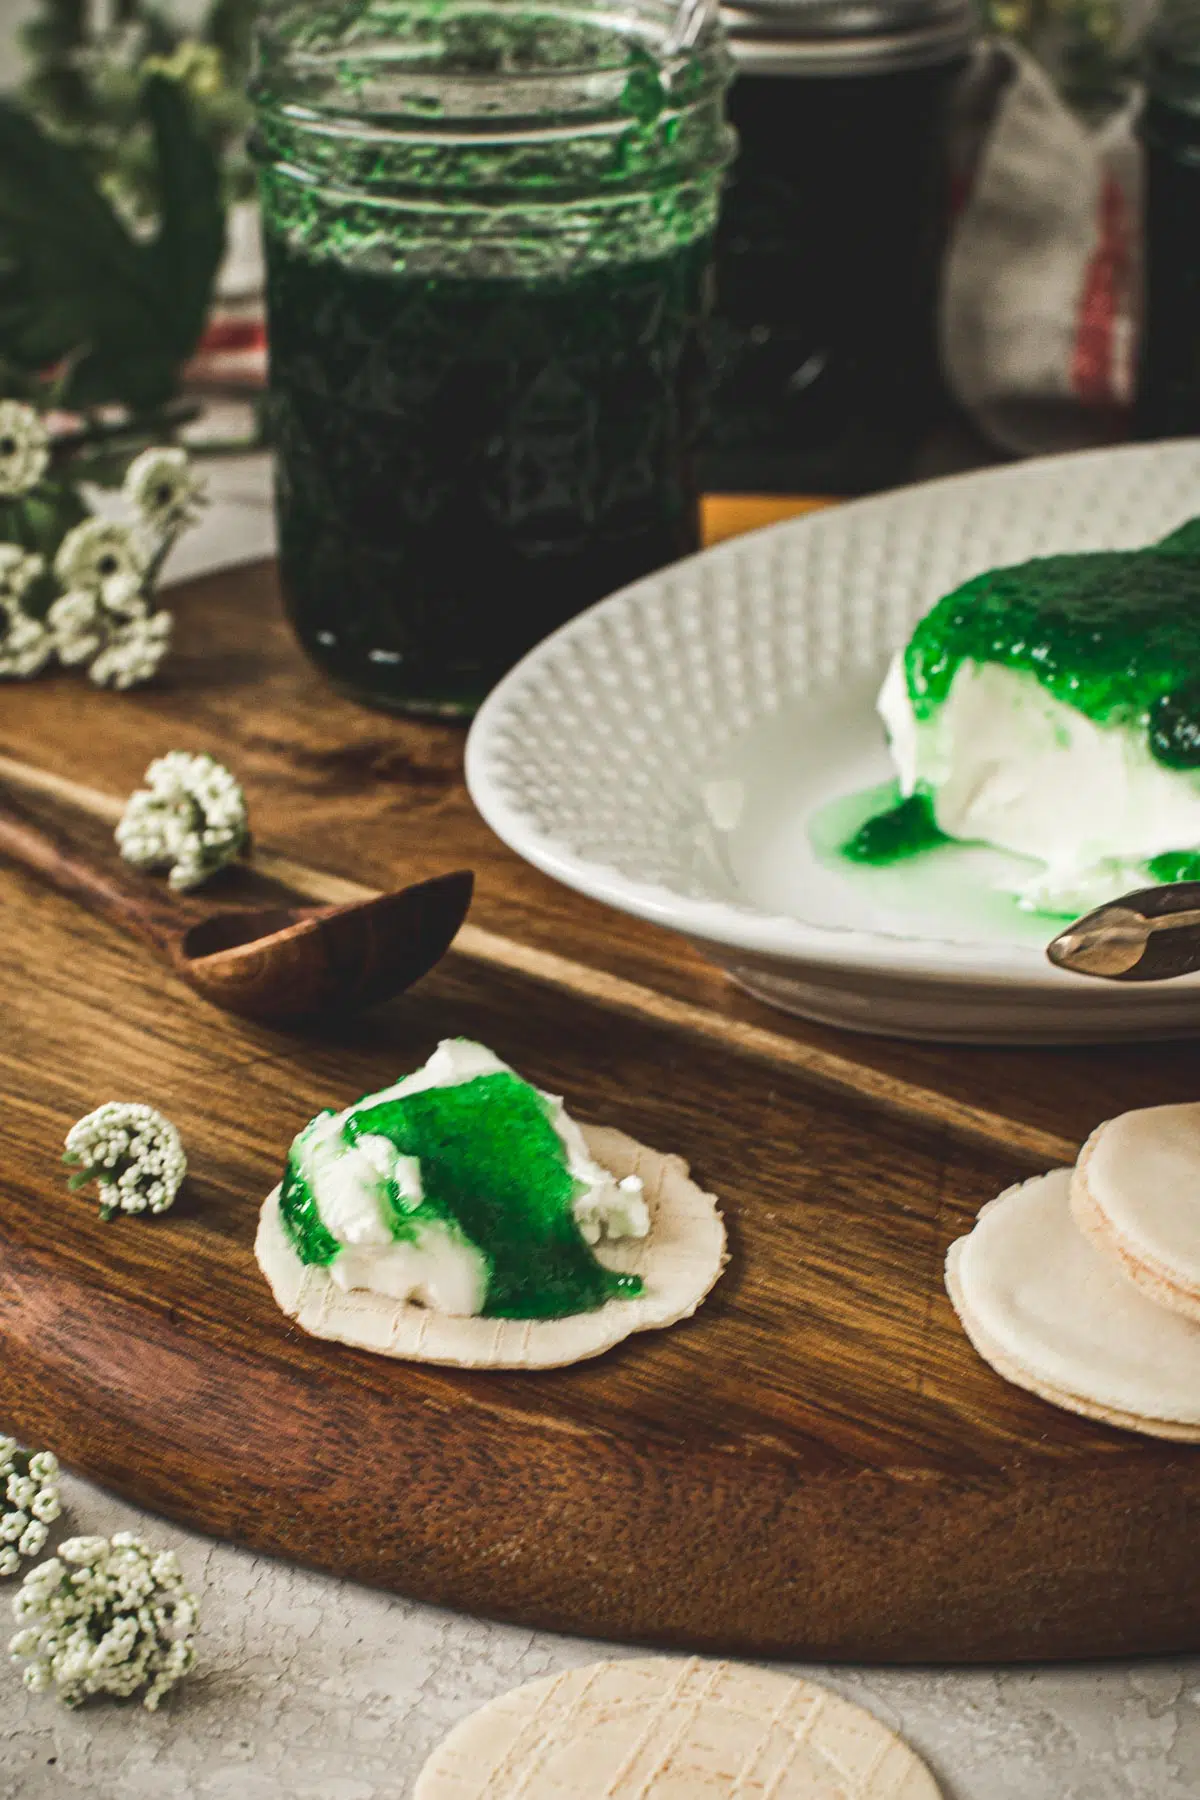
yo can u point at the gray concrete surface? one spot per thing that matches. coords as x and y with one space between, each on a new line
312 1689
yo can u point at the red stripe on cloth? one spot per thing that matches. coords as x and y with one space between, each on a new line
1093 375
233 334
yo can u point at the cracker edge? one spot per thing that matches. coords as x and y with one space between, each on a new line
1151 1277
1018 1376
472 1343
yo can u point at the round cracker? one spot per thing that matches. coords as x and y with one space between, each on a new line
1136 1194
629 1730
678 1261
1052 1314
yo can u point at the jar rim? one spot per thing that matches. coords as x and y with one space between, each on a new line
438 72
847 37
611 164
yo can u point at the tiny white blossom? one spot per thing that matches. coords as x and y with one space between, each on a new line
104 618
164 491
19 569
190 818
123 596
33 1539
133 653
24 447
25 645
133 1153
101 556
29 1502
105 1616
76 622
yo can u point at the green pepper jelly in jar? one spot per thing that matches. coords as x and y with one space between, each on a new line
488 232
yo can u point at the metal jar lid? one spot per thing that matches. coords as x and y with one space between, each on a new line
847 37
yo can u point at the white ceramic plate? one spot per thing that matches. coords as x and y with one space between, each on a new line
672 750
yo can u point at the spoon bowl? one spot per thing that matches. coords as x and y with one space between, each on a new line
1150 935
281 965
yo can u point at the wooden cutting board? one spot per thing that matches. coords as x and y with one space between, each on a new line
816 1465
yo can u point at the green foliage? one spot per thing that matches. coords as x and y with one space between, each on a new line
78 283
40 520
84 86
1087 47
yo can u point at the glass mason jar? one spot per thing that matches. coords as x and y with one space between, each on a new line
1168 383
488 233
830 244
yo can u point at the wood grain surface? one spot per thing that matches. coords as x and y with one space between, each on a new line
817 1464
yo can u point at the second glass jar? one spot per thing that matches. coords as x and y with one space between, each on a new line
1168 388
488 233
830 244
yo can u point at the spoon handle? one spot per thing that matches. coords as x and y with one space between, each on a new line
115 896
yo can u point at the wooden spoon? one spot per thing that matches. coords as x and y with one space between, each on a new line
277 965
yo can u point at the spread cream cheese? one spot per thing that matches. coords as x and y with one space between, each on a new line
432 1261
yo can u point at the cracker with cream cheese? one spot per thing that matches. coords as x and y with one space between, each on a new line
679 1261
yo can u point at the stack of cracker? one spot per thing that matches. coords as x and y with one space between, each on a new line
1083 1285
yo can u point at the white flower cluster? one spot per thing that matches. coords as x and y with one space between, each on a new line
104 616
105 1616
133 1153
26 646
190 818
164 491
29 1502
24 448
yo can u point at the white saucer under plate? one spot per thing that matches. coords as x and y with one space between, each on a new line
668 751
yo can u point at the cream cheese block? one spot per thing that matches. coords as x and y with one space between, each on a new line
1052 710
1005 763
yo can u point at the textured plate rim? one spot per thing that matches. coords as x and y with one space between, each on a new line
740 926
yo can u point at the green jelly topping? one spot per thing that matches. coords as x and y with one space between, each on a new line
1113 633
1175 865
493 1168
905 829
1175 727
312 1241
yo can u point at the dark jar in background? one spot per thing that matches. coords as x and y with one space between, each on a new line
1168 384
489 237
830 243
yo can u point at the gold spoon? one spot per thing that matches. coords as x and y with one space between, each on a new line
1150 935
